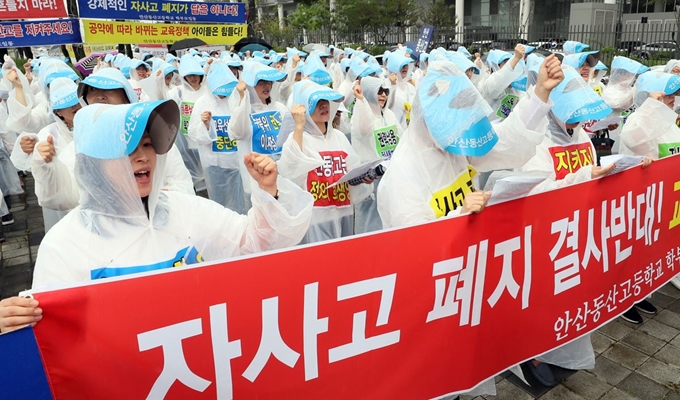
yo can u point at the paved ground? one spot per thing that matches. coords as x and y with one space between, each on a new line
633 361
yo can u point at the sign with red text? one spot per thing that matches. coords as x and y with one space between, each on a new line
27 9
406 313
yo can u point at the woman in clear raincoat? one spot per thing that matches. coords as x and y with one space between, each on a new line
618 93
434 160
375 134
53 139
193 87
126 224
139 71
501 88
400 68
60 191
316 156
651 131
220 158
256 116
565 134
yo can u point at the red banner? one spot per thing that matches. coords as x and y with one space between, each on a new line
410 313
28 9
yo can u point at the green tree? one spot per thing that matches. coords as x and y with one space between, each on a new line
311 15
378 17
441 16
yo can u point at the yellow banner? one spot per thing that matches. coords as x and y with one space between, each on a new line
97 31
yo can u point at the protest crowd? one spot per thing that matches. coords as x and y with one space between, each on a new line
150 163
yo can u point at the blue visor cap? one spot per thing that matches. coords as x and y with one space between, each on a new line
629 65
573 47
254 72
261 60
462 50
63 94
651 82
316 71
168 69
455 112
396 62
221 81
108 132
575 101
577 60
496 57
310 93
109 58
600 66
461 61
62 74
107 79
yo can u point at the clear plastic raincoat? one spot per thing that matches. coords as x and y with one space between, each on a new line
220 157
321 162
113 232
375 135
651 130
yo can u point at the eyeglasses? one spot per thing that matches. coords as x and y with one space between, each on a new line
384 90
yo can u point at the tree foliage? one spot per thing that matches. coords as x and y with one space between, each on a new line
377 16
311 15
440 15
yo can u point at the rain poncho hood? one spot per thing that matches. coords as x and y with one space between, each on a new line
652 81
316 70
370 86
461 61
63 94
189 66
358 69
573 47
454 111
496 57
221 81
292 51
619 92
134 64
575 101
52 69
231 60
670 65
107 78
462 50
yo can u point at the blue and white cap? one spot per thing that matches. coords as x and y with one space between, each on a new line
292 51
577 60
573 47
107 79
169 58
108 132
575 101
63 94
496 58
655 81
461 61
254 72
261 60
423 58
136 63
455 113
167 69
397 61
315 70
462 50
628 65
310 93
221 81
232 60
109 58
600 66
